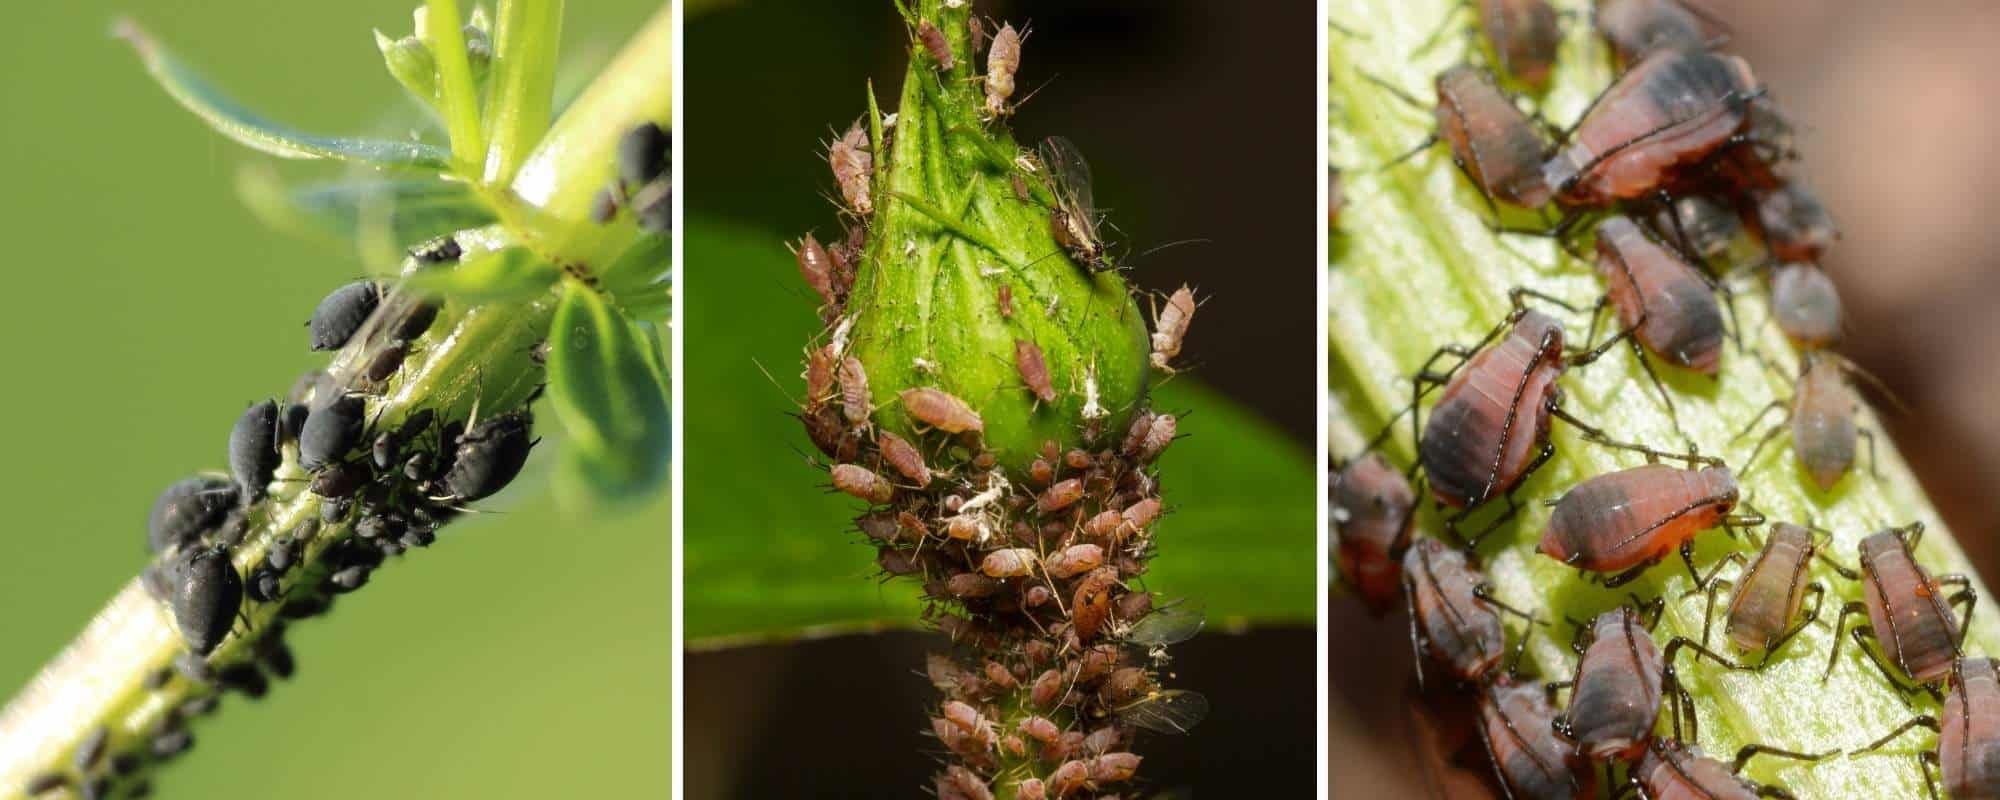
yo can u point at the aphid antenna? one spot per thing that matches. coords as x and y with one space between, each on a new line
1444 25
1393 89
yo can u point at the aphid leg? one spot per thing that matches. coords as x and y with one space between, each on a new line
1650 611
1484 593
1708 611
1966 594
1911 534
1838 568
1598 437
1629 575
1925 721
1861 634
1751 462
1518 298
1444 24
1750 751
1553 688
1818 592
1870 436
1416 638
1839 623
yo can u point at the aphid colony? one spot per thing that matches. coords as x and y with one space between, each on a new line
1680 172
1056 655
384 486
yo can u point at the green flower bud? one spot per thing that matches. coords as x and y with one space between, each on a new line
964 284
411 63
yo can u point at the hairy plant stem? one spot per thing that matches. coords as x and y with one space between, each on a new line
1414 266
100 679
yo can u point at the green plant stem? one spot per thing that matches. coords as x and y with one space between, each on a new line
524 73
98 679
455 84
1415 267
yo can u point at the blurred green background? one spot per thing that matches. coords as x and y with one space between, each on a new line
526 655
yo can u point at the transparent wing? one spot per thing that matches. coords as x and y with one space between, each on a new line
1070 174
1170 624
1171 711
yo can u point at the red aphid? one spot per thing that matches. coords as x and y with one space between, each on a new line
941 410
1668 112
1373 508
1672 307
1629 519
858 481
904 457
1493 417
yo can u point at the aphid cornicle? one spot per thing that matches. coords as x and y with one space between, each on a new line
1909 615
1490 427
187 509
253 449
1806 305
489 455
331 431
341 313
1624 522
1524 36
1636 27
1373 511
206 598
1516 724
1669 111
1663 301
1968 733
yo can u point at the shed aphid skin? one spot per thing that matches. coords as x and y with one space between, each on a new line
1624 522
342 313
1373 511
853 165
1909 615
1806 306
1967 751
207 594
1517 727
1820 415
1634 28
1670 111
1074 219
1496 145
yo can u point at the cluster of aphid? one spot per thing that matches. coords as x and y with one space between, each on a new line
1055 661
1683 166
384 488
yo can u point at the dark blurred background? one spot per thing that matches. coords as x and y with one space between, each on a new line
1900 112
1199 121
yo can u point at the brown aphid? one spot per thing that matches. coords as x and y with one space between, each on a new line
1005 299
1103 526
1123 686
1772 590
853 166
1524 35
959 783
1114 767
1091 605
1909 615
1170 325
941 410
1002 61
1497 146
934 43
1074 219
1012 562
858 481
1034 371
1041 472
1663 301
1134 605
1516 723
880 526
1159 433
1634 28
964 527
1040 729
1062 495
1030 789
854 397
1074 560
904 457
1139 516
829 433
1672 769
1373 508
964 716
1450 620
1490 426
975 33
898 562
819 375
1669 111
967 585
1793 223
1103 740
1068 777
1036 596
998 675
1624 522
1806 305
1968 736
1097 661
1077 459
1825 436
815 267
1047 691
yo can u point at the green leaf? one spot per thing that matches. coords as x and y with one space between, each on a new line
231 119
610 395
510 273
362 212
775 554
643 265
524 70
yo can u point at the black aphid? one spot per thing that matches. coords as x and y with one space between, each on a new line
489 456
341 314
284 551
416 318
291 421
253 449
264 586
386 361
379 527
172 743
235 525
347 579
437 251
245 678
45 783
194 668
331 431
91 749
277 657
418 536
201 706
334 509
188 509
207 598
642 154
340 480
304 607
